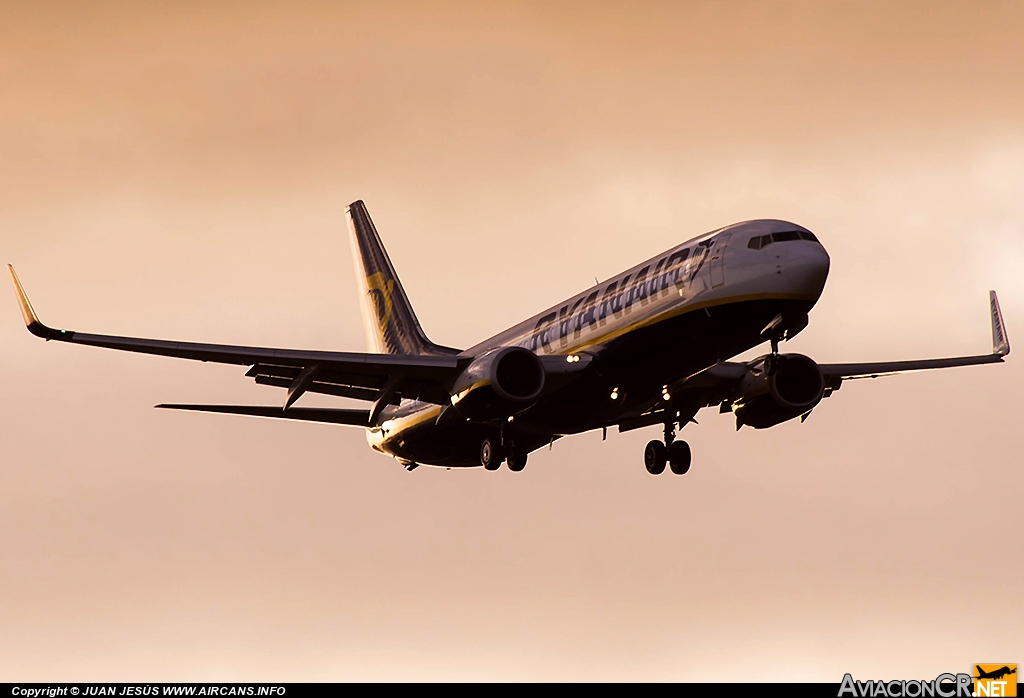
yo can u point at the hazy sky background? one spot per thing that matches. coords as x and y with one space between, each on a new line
180 170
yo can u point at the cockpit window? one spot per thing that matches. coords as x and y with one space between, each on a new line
759 242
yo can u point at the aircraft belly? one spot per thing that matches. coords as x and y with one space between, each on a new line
417 437
640 363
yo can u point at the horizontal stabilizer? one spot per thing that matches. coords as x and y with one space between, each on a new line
358 418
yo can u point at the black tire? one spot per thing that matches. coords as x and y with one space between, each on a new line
490 454
516 457
679 457
654 457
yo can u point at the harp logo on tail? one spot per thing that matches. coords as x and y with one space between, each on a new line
380 287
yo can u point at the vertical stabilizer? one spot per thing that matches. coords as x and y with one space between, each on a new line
390 324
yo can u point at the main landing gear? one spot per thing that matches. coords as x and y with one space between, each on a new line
492 453
675 453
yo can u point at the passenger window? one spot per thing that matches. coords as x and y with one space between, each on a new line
755 243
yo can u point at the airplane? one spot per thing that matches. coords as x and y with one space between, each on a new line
650 346
995 674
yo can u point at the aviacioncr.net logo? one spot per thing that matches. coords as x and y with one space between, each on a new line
942 686
995 680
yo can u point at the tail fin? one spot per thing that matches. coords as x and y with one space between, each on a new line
390 323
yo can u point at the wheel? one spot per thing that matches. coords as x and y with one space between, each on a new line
679 457
516 457
490 454
654 457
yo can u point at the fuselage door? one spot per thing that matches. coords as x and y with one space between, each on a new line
718 260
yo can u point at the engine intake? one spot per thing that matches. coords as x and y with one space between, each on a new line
797 382
499 384
517 374
794 387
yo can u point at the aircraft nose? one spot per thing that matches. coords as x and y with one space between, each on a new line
806 269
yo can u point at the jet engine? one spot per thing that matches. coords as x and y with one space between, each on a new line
499 384
781 387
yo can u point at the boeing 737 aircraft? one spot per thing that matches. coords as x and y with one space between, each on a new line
650 346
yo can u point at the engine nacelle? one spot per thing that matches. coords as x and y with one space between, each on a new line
794 387
499 384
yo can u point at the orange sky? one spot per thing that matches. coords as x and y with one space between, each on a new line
180 170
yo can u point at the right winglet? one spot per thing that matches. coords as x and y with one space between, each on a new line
31 319
1000 341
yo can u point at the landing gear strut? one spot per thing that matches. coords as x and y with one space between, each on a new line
676 453
771 362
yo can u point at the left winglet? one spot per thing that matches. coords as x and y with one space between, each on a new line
31 319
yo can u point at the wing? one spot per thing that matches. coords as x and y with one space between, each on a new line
305 414
717 384
381 378
1000 348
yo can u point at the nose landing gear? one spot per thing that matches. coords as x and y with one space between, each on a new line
676 453
773 361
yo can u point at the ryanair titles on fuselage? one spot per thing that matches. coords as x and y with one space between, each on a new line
590 312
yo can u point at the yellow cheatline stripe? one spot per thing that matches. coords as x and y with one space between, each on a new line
415 418
457 397
676 311
410 421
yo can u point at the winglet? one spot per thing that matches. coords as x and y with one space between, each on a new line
1000 341
31 319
